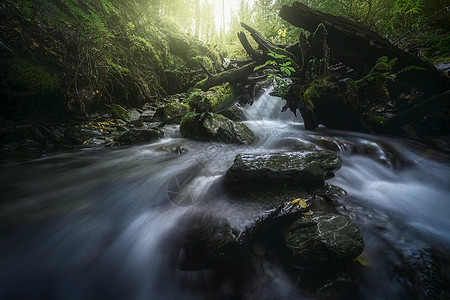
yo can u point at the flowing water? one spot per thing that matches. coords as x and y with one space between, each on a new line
96 224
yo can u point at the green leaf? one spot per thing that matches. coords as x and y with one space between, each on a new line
258 67
286 64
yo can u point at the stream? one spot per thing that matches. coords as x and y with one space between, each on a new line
95 224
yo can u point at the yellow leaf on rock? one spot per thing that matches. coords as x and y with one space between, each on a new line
299 201
309 213
360 260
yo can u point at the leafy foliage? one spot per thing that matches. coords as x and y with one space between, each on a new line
282 63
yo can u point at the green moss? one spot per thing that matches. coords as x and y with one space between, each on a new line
215 99
28 75
170 111
309 95
118 112
192 93
351 93
379 119
190 126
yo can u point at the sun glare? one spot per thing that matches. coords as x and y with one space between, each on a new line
226 6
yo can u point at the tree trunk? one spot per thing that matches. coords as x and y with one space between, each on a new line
231 76
197 18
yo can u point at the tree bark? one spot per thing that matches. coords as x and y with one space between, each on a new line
197 18
231 76
247 47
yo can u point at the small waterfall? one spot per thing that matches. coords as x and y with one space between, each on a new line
267 108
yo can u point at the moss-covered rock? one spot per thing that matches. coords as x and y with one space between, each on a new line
169 111
213 100
213 127
118 112
234 113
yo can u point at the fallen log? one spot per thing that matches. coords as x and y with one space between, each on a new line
255 55
359 47
231 76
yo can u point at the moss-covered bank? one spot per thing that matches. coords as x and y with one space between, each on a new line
79 55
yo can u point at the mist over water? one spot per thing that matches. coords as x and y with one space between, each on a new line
97 224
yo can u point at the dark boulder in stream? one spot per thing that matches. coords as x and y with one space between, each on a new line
298 168
214 127
212 237
139 136
323 238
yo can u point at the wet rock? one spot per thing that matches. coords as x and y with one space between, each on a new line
206 241
213 127
322 238
77 135
234 113
94 116
168 112
175 149
324 283
327 197
272 196
212 237
134 115
300 168
147 115
139 136
215 99
295 144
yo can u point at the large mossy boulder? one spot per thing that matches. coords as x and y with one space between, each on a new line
139 136
297 168
171 112
215 99
322 238
213 127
